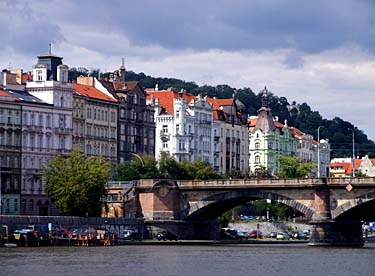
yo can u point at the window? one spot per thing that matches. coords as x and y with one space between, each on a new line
165 145
24 118
62 121
89 113
9 120
113 117
48 142
257 146
62 101
32 119
39 75
48 121
270 145
257 159
40 120
17 117
177 114
62 142
165 129
32 142
9 139
40 141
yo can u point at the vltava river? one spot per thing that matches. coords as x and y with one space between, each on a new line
226 260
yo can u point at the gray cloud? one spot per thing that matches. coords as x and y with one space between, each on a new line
24 31
307 26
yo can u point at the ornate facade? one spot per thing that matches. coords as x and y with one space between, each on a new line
268 140
94 121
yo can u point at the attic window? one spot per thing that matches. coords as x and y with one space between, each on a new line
39 75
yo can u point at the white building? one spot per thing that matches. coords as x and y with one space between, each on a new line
193 127
47 129
183 125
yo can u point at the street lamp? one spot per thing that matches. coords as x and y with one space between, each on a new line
268 209
140 158
353 172
319 151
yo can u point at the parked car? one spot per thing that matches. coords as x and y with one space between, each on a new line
272 235
282 236
130 234
166 235
241 235
300 236
255 234
228 234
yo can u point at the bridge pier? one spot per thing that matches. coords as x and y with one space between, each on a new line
327 232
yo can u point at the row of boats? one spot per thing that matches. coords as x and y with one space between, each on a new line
57 235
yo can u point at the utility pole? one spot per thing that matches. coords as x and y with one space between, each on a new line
353 171
319 151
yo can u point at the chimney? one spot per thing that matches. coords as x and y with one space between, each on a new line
156 87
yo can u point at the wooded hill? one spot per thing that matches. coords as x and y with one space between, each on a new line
338 131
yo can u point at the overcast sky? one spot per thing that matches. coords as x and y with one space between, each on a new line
320 52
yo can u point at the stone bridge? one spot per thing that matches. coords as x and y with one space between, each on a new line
335 206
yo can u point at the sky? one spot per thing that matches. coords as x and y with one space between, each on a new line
319 52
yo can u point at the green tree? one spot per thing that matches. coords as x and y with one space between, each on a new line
171 169
125 172
200 170
148 169
76 184
291 167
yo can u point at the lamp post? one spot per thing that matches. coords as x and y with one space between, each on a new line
268 209
140 158
353 172
319 151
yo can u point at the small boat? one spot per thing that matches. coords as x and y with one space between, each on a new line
9 245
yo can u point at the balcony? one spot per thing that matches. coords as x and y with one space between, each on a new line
62 130
164 136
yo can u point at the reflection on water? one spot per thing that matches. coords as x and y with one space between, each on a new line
188 260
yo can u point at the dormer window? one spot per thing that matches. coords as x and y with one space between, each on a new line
39 75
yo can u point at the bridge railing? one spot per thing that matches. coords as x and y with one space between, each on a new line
144 183
246 182
276 182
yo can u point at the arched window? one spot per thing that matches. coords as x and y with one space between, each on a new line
257 159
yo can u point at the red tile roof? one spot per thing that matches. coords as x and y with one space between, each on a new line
296 132
347 166
166 99
4 94
91 92
216 103
27 77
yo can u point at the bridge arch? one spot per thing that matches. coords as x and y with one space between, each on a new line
212 206
355 207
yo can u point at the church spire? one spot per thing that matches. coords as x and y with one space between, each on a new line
265 120
265 97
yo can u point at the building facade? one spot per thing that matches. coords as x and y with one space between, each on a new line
94 121
231 136
193 127
136 127
10 154
46 130
268 140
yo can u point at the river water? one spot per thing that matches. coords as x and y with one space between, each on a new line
156 260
